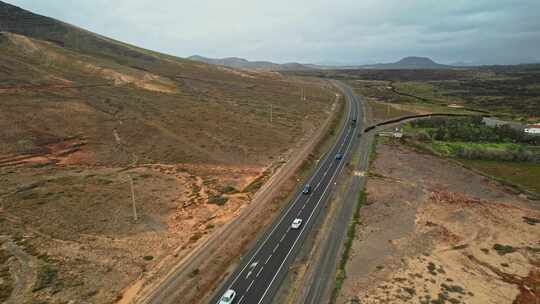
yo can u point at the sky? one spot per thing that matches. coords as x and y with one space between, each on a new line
314 31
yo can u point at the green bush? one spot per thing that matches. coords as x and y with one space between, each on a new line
229 189
217 199
503 249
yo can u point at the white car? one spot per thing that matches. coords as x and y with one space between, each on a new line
296 223
228 297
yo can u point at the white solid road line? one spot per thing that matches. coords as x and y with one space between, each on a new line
321 164
269 257
305 225
241 299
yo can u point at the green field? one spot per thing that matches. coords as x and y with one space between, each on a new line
502 153
453 148
525 174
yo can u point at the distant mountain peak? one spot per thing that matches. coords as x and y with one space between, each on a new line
417 60
411 62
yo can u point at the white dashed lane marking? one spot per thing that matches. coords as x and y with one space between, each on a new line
250 284
260 270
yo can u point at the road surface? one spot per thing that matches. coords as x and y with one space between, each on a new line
258 277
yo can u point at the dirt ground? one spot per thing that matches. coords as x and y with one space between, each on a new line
67 228
434 232
70 232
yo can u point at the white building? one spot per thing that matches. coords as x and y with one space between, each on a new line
532 129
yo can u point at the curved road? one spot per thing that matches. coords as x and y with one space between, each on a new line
258 277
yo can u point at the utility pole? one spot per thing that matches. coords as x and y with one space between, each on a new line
135 217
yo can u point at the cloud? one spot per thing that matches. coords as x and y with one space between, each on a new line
339 31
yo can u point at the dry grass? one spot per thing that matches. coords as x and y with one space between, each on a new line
179 112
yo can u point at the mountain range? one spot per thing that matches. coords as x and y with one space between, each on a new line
241 63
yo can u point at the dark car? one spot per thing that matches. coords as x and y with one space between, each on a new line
353 122
307 189
339 156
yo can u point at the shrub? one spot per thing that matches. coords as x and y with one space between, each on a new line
217 199
424 136
503 249
229 189
194 272
45 277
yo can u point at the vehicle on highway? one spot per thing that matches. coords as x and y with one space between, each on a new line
307 189
339 156
353 122
296 223
228 297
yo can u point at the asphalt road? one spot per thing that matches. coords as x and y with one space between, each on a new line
320 281
258 277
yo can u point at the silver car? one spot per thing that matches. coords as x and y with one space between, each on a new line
296 223
228 297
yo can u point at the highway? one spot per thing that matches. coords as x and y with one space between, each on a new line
258 276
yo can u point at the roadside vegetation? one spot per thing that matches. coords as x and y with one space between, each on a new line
341 274
502 152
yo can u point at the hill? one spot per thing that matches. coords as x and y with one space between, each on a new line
241 63
41 55
409 63
84 117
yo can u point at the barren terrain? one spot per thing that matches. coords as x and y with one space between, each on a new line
434 232
83 114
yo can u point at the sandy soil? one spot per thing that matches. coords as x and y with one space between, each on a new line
70 233
434 232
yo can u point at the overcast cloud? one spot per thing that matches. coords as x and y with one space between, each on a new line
314 31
